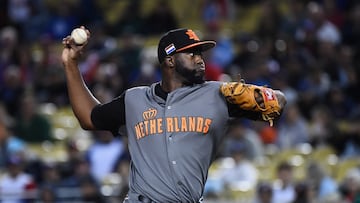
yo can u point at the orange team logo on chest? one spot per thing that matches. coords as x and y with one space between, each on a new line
192 35
149 114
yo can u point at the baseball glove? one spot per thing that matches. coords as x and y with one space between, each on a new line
253 98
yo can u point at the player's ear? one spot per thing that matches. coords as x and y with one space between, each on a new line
169 61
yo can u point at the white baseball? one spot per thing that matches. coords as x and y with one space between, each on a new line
79 35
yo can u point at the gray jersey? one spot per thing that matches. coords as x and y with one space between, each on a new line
172 142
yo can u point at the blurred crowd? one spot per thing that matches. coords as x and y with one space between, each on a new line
308 49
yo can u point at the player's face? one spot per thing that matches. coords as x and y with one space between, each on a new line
191 67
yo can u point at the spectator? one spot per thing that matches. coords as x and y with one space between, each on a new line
4 13
325 185
264 193
223 53
243 173
233 172
67 168
305 193
322 126
15 184
31 126
148 72
284 188
214 11
325 31
122 168
47 195
160 19
293 130
313 88
89 12
335 12
340 105
50 176
11 89
9 40
105 146
327 54
239 133
35 24
9 144
82 186
61 20
130 21
90 191
293 19
350 186
19 11
269 19
349 77
350 34
128 62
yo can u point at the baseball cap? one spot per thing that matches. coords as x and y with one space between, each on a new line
179 40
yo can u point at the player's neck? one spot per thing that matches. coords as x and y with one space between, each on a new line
171 85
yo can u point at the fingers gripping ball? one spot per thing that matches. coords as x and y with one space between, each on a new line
253 98
79 35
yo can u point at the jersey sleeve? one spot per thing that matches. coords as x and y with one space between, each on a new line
109 116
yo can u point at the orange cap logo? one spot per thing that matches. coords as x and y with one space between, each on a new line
192 35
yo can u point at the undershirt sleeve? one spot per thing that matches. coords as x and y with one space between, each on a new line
235 111
109 116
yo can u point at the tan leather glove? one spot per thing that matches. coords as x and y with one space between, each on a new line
253 98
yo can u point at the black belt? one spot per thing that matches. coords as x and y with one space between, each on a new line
131 196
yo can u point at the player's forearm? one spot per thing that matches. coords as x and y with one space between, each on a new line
81 99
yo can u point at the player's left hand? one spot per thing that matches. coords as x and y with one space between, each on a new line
72 52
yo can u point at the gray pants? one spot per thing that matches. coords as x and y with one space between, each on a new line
136 198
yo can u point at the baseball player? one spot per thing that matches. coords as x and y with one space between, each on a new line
174 126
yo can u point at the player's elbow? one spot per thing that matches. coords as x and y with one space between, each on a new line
86 125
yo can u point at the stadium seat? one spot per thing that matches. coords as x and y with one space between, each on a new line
326 156
344 166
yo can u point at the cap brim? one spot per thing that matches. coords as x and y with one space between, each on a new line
203 45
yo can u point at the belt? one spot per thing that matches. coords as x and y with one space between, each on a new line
138 197
144 199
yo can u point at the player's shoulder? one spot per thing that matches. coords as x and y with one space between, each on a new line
213 84
138 89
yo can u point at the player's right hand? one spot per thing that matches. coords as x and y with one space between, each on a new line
71 51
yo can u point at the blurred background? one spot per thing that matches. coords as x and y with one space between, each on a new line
308 49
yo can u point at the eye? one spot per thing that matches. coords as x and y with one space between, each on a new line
194 53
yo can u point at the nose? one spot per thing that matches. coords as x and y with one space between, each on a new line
200 62
199 59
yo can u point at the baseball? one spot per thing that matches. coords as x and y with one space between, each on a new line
79 35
